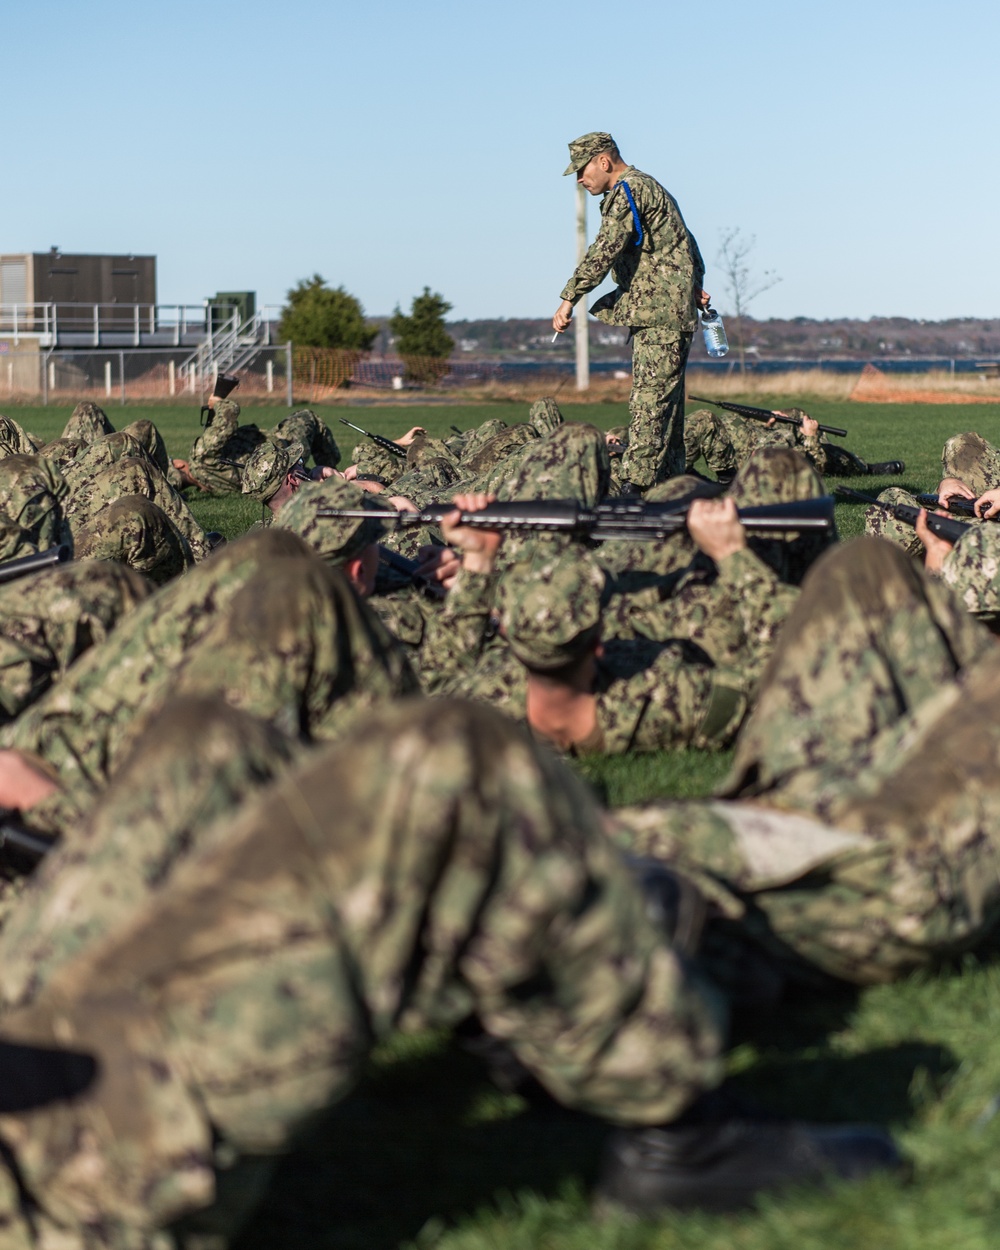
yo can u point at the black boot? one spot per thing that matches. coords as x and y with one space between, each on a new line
887 468
722 1164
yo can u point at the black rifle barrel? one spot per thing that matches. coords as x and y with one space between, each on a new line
379 439
943 526
634 520
11 570
764 414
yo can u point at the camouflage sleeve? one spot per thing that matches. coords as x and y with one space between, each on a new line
814 446
613 237
454 637
218 432
761 601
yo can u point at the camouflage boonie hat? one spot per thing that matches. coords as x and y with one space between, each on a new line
335 539
550 607
585 148
268 467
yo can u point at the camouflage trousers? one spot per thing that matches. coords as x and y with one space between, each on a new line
865 836
974 461
656 432
438 865
263 623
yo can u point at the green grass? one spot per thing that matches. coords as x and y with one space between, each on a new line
425 1154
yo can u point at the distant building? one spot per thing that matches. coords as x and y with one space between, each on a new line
62 278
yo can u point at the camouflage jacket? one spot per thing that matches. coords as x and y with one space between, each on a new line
654 260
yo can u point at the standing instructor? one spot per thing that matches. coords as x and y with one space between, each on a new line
655 261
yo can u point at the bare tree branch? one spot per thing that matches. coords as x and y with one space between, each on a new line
742 284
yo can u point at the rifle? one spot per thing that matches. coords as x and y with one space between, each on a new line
20 843
943 526
11 570
625 519
957 504
378 439
764 414
225 384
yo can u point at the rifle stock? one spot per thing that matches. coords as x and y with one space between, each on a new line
764 414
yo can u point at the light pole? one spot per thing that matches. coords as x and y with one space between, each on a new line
581 328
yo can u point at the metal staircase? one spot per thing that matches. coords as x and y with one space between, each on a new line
233 346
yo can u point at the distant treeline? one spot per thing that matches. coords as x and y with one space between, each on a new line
795 336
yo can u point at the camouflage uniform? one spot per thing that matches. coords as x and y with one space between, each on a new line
305 428
264 623
865 835
971 568
658 269
14 441
435 866
92 491
86 422
48 620
133 531
33 494
732 612
725 441
649 697
220 454
974 461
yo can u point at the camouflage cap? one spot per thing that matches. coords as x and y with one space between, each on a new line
268 467
585 148
550 607
335 539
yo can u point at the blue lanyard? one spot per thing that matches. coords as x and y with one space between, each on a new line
635 212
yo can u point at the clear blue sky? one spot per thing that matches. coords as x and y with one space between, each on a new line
394 145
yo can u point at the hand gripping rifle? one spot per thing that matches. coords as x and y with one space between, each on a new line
378 439
943 526
225 384
764 414
11 570
957 504
621 519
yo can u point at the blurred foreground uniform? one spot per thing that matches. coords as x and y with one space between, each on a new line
438 865
263 623
865 836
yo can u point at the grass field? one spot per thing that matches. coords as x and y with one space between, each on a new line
426 1154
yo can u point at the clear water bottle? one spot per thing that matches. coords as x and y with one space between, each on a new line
716 343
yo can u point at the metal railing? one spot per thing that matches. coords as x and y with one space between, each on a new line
234 345
63 324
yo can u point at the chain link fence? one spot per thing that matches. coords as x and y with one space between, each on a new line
285 374
137 375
